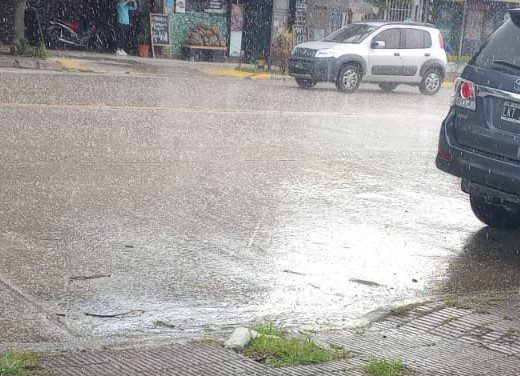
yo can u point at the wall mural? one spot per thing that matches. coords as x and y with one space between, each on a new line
181 24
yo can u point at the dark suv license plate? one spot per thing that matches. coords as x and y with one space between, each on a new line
511 112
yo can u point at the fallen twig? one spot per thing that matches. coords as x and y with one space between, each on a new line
113 315
87 277
164 324
364 282
292 272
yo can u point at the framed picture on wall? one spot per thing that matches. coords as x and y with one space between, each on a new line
237 17
180 6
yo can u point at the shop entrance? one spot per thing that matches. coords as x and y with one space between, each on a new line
257 29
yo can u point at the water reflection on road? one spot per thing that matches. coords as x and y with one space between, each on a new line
308 207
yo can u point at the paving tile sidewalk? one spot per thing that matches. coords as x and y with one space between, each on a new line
479 335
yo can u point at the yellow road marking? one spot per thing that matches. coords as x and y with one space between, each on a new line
235 73
72 65
261 76
101 107
185 110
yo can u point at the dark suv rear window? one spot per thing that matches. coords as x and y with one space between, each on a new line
501 51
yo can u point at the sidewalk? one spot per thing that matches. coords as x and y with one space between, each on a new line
89 62
472 335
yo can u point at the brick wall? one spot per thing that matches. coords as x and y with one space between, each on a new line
6 20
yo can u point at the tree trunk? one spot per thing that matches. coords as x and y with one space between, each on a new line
19 19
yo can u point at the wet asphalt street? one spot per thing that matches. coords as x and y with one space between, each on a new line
178 205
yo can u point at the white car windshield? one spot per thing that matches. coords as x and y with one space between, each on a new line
354 33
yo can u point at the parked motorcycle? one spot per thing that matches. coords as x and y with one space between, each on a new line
61 34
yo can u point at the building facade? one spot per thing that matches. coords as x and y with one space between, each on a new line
467 24
6 20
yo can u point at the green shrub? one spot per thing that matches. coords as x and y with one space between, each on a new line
23 48
283 45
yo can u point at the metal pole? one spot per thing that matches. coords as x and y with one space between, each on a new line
151 36
462 29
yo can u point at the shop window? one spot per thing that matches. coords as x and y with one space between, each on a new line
319 34
196 5
208 6
336 19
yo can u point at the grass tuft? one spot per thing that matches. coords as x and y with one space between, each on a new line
270 329
19 364
431 310
382 367
448 320
403 310
456 302
277 350
209 341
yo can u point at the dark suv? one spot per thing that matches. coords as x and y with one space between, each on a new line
480 137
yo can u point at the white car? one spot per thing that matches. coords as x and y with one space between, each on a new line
387 53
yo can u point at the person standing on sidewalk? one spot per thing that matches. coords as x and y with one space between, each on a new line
123 24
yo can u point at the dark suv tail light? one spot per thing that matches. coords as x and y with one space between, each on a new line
465 94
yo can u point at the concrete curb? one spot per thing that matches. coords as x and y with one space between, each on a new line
66 65
92 63
224 72
8 61
44 64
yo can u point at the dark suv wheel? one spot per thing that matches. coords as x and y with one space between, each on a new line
305 83
349 78
502 216
431 82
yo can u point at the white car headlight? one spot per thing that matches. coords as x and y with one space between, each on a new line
325 53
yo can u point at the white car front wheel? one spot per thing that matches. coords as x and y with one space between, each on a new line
431 82
349 78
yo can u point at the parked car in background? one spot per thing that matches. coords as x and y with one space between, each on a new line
480 137
386 53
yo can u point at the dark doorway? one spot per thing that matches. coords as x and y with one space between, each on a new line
33 26
257 29
81 13
87 13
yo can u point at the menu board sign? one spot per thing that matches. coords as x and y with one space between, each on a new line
215 6
300 12
159 29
